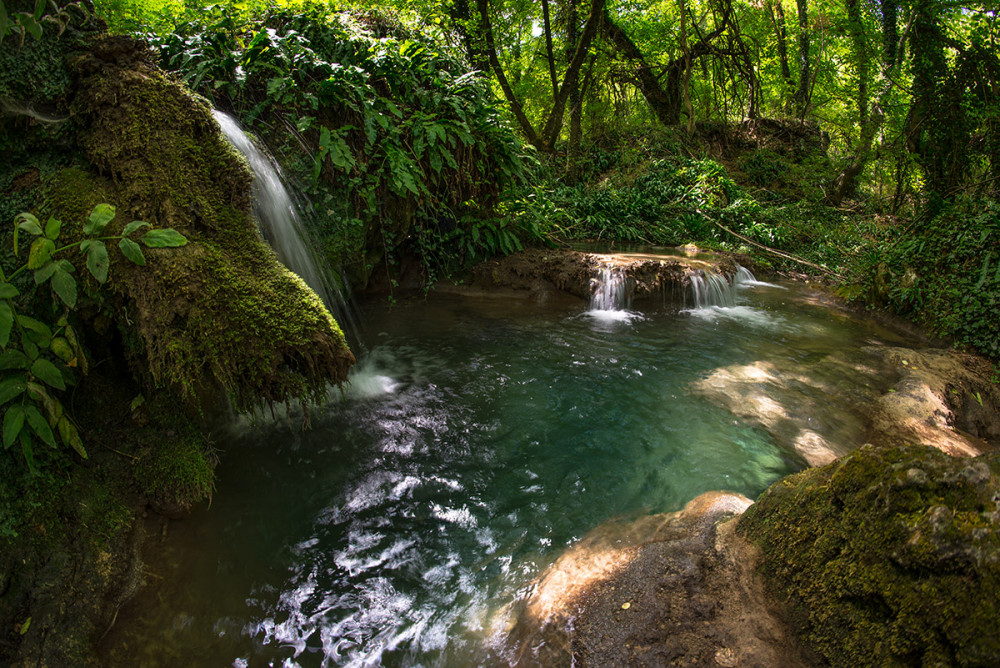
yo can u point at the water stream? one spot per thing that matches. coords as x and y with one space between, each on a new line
477 439
281 225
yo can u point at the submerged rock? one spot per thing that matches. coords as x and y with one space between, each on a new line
890 556
672 589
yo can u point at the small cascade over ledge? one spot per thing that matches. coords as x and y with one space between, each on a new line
280 222
710 289
610 290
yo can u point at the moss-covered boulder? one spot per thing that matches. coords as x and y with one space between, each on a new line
889 556
222 309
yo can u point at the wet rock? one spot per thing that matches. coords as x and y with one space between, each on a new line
533 271
671 589
935 402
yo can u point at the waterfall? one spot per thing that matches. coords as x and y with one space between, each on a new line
280 223
710 289
610 290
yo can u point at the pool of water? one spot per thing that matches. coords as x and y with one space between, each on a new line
477 439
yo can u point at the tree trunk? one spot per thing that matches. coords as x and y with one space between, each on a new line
889 32
461 19
572 78
665 101
491 51
871 123
547 29
856 30
546 139
777 14
802 95
575 98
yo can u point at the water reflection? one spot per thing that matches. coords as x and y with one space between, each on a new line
475 443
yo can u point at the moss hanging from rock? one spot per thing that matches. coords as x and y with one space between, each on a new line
890 556
222 308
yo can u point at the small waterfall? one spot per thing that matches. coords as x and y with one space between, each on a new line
610 290
710 289
280 223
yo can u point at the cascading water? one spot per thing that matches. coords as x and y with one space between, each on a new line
609 291
280 222
714 290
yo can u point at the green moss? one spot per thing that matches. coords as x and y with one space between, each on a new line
890 556
178 471
221 309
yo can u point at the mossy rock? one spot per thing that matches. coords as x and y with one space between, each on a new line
890 556
176 468
221 309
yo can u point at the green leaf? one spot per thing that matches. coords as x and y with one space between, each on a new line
166 238
63 350
29 224
40 253
6 323
65 286
53 407
99 219
14 359
132 251
52 228
36 326
98 261
39 9
87 243
39 425
29 456
23 628
47 372
133 226
11 388
13 420
31 25
45 273
70 436
30 349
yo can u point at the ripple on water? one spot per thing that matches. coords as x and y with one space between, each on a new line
471 448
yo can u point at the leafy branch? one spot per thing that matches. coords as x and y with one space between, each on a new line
37 359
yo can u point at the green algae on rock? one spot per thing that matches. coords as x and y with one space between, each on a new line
889 556
222 308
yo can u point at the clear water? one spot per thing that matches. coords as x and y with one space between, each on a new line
476 441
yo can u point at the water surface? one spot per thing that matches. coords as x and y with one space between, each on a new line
475 442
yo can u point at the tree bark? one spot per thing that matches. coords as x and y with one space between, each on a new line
461 20
546 139
665 100
572 78
575 98
515 104
777 14
547 28
802 94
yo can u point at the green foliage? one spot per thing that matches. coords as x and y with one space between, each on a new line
946 273
396 132
37 360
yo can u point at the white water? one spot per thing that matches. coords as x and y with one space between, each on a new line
280 223
611 297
